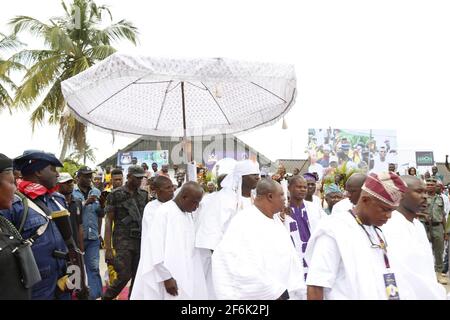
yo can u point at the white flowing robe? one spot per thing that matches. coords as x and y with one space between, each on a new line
214 216
256 260
149 213
340 259
170 253
315 213
139 287
411 255
343 205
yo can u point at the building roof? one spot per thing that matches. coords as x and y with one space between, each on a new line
168 143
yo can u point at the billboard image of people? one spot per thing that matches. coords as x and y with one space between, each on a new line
126 159
365 150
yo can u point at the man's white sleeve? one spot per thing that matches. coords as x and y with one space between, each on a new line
162 274
324 264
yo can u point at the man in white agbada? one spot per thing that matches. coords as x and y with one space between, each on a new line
353 191
216 213
256 258
409 248
313 202
164 193
311 180
347 254
172 268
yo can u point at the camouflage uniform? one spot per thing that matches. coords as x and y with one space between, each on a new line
128 210
435 229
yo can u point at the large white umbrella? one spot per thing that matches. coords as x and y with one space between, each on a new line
179 97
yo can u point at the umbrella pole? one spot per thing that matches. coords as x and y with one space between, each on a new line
185 143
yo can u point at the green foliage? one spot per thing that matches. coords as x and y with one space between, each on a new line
343 172
70 166
74 42
209 177
6 66
355 139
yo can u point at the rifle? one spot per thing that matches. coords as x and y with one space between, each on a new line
134 215
62 221
74 257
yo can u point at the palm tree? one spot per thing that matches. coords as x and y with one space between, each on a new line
74 42
87 154
6 66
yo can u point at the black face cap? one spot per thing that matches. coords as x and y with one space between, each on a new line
85 170
6 164
136 171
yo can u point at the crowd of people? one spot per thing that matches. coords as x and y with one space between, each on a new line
243 235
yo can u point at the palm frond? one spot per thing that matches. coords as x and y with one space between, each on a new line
94 11
63 4
30 57
80 64
9 42
58 39
5 99
6 66
105 8
97 37
74 130
122 30
25 23
100 52
37 79
54 102
37 117
5 79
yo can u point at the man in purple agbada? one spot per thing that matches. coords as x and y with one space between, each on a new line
300 222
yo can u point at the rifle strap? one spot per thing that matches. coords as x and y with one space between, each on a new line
38 206
139 222
25 210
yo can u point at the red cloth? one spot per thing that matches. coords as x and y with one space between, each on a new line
34 190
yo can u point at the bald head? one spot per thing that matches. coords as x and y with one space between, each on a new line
189 197
269 197
190 187
411 181
353 186
414 199
266 186
356 180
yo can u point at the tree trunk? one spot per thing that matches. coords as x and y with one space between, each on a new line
65 146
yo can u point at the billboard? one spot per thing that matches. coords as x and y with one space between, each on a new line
125 159
365 149
424 158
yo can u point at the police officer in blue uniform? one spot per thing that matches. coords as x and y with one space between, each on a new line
39 173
